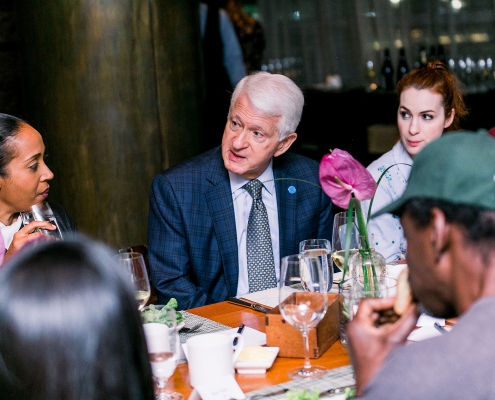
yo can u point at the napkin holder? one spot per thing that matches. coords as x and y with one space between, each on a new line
289 339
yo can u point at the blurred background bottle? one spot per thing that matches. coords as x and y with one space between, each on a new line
441 54
402 67
432 55
387 72
422 58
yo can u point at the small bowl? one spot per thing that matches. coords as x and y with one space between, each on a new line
158 307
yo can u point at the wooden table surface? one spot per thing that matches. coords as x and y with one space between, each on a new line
232 315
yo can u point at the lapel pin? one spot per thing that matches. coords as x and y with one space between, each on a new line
292 189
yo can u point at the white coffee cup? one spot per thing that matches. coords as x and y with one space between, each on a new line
157 339
211 356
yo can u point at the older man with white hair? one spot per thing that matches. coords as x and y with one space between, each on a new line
220 222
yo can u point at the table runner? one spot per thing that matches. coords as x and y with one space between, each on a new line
208 326
334 378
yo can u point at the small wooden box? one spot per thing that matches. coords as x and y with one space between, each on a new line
281 334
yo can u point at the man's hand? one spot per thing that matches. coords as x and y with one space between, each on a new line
370 343
27 235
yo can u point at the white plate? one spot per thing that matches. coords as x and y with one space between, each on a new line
181 325
257 367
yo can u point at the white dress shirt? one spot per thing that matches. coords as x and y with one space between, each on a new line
9 231
242 207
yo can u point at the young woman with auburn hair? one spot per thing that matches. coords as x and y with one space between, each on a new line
430 103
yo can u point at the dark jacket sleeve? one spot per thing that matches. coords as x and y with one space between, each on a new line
65 222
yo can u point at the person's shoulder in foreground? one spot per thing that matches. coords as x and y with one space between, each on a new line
448 215
68 317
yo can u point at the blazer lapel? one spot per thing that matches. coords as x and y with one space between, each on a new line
286 203
221 208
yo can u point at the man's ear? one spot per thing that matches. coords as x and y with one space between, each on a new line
440 233
284 144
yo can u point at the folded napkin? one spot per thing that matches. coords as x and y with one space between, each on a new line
268 297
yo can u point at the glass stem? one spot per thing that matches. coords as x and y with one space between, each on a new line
307 364
161 383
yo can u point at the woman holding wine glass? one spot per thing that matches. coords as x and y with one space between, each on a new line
69 326
303 303
24 178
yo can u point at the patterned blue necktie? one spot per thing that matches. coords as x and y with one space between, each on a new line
260 263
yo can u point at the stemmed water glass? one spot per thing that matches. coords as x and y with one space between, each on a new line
339 240
164 352
322 249
135 268
305 308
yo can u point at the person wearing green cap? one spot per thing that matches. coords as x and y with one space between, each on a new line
448 215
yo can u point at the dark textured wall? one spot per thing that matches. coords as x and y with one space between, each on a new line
9 60
115 88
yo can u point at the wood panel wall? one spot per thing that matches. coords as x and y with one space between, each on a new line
115 88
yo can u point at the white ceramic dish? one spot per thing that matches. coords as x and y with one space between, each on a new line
257 367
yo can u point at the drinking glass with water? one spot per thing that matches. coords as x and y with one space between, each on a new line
42 212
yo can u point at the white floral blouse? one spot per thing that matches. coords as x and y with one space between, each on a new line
388 235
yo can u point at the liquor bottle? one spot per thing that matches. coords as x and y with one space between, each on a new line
422 58
402 67
433 54
441 54
387 72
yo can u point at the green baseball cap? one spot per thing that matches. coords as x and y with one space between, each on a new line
458 167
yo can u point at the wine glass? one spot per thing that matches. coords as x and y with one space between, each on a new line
322 249
339 240
135 268
303 309
164 352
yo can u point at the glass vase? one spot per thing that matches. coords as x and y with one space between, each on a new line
367 267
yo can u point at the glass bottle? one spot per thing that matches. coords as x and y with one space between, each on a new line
387 72
402 67
422 58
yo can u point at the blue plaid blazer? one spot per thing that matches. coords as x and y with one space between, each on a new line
192 238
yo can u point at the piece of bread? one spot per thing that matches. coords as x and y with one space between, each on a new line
404 298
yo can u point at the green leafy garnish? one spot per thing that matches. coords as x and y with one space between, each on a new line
350 392
303 395
152 314
298 394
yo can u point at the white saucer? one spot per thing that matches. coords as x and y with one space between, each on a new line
257 367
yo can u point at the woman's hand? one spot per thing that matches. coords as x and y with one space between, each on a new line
27 235
370 343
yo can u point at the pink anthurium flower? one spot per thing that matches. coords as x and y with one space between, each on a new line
341 176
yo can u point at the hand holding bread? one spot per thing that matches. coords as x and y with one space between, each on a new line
404 298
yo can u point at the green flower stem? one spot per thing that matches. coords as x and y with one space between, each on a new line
348 232
363 232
